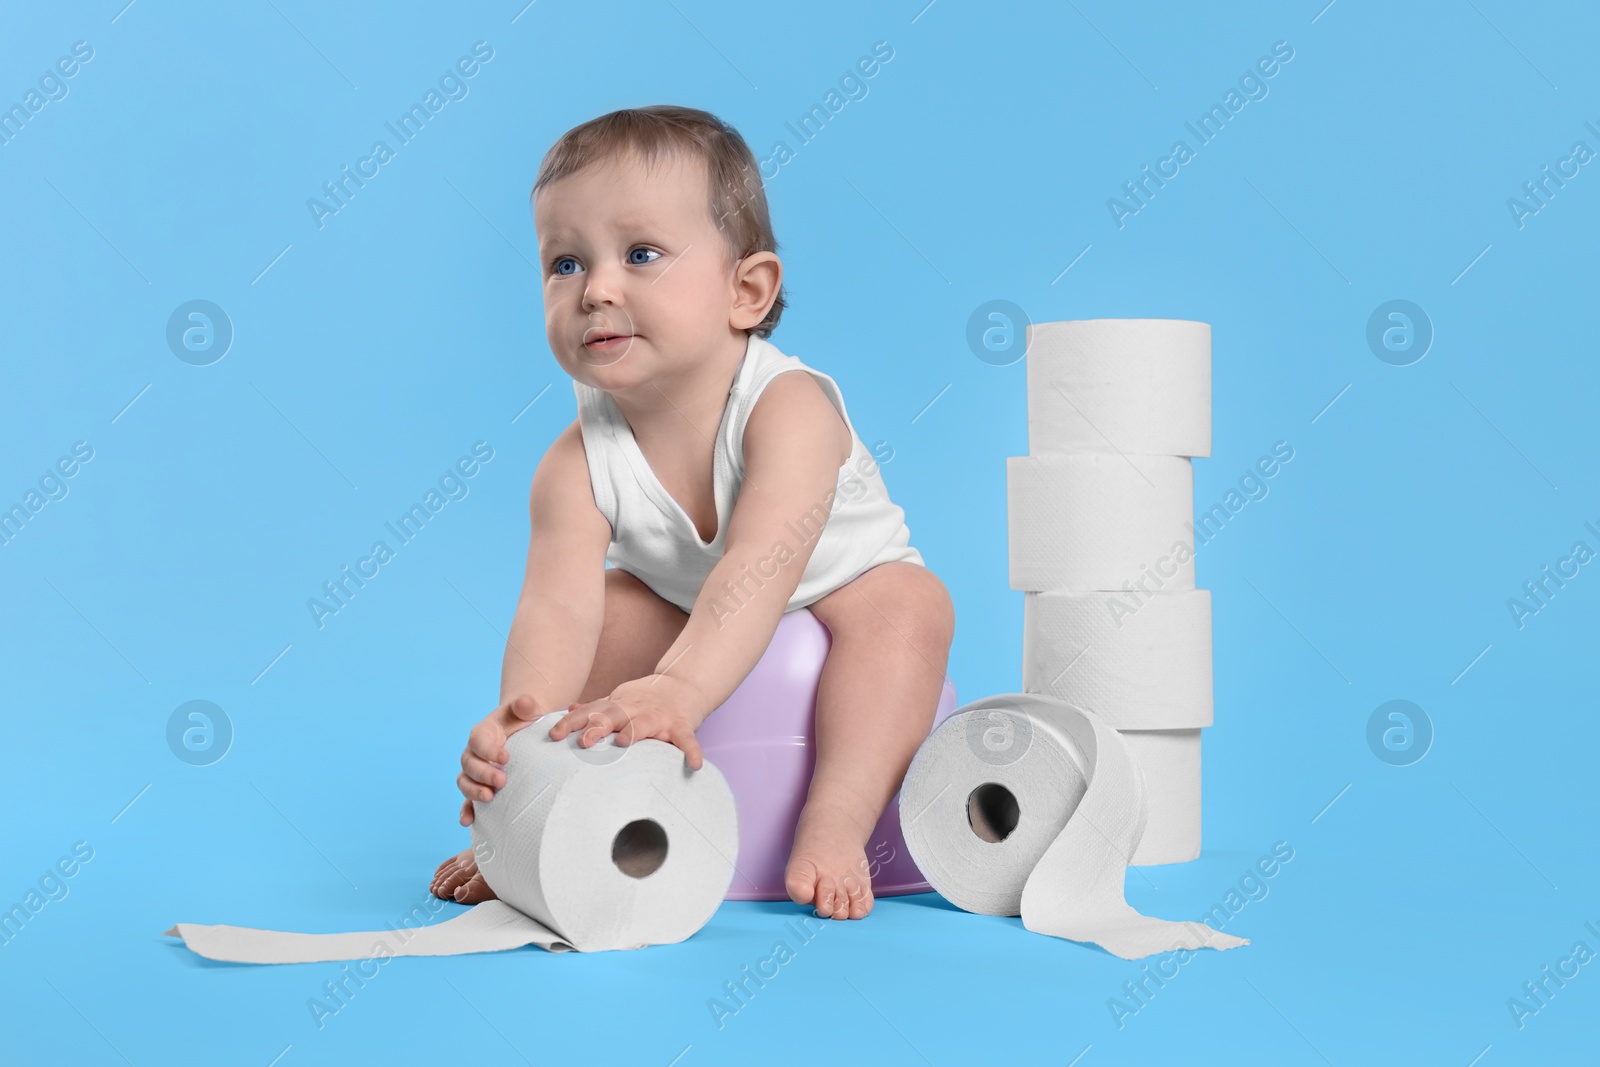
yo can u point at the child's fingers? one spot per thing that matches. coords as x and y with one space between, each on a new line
686 740
487 741
641 727
590 722
598 728
466 813
635 728
671 731
572 720
483 771
512 726
473 790
524 708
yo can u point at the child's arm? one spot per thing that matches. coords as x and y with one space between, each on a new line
794 445
556 628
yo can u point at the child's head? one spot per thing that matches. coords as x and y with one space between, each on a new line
653 226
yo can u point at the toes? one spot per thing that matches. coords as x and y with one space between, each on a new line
832 903
860 901
445 885
450 874
439 878
801 881
849 898
824 897
473 891
846 898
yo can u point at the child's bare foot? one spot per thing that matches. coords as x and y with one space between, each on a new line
457 879
828 866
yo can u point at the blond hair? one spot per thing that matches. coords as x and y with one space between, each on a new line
738 203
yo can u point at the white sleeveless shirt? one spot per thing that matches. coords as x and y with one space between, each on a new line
655 540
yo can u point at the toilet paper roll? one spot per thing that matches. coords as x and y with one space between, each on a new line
606 847
1094 521
1169 761
1024 804
1140 386
1141 661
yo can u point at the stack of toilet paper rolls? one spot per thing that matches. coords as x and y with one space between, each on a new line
1101 532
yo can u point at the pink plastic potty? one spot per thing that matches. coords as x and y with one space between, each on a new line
761 741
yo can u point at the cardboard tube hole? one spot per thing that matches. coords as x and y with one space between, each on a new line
640 848
992 811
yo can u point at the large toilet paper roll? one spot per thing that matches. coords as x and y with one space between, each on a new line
606 847
1141 661
1024 804
1120 385
1169 761
1094 521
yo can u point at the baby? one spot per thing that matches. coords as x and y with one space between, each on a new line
702 468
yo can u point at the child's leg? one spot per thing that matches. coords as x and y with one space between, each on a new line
638 629
892 629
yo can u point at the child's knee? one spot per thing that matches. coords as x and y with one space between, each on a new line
922 607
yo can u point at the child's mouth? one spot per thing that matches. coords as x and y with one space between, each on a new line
607 341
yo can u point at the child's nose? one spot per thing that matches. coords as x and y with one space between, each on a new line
604 286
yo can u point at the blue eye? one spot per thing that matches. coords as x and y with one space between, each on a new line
564 259
646 251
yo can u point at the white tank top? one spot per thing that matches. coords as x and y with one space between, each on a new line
656 541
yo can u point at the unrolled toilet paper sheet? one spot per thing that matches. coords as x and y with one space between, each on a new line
1024 804
1140 660
489 927
1094 521
606 847
1137 386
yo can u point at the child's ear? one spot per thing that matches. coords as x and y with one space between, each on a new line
757 279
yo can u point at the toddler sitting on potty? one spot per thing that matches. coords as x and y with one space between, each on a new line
723 489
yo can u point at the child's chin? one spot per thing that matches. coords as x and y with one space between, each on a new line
608 362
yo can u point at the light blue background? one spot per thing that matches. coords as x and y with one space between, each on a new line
376 350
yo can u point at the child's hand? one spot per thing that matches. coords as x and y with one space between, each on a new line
658 706
486 746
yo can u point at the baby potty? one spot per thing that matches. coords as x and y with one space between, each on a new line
761 740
